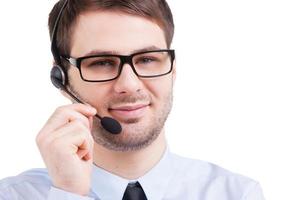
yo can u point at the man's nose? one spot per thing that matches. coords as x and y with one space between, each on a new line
128 81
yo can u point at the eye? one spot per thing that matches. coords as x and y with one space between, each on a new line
145 60
102 63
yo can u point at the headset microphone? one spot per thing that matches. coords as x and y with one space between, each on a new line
59 78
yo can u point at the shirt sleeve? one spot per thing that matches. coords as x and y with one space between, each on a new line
58 194
255 193
3 196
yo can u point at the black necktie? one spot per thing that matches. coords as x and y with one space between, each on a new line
134 191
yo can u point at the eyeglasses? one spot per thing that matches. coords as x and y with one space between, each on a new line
101 68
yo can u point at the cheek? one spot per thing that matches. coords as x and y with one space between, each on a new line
159 88
74 78
97 94
92 93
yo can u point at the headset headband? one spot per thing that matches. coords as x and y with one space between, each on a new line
54 48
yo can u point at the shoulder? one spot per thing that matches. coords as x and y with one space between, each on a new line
210 177
34 176
203 168
35 181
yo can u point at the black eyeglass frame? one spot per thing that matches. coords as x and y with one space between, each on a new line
124 59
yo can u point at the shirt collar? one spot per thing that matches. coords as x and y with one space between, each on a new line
155 182
108 186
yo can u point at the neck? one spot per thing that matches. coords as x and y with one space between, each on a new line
133 164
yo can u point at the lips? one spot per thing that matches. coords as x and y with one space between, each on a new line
129 107
129 111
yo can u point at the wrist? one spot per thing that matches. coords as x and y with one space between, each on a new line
59 194
75 188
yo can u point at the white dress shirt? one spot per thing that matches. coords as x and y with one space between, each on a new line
173 178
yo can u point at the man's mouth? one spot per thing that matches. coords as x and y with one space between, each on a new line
129 111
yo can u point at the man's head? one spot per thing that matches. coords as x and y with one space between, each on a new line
156 10
123 27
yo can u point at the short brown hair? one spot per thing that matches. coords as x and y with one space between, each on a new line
156 10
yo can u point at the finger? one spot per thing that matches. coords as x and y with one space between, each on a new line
73 134
65 114
91 122
83 152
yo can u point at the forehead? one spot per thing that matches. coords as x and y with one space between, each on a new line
114 31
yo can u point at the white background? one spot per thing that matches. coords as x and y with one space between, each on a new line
237 94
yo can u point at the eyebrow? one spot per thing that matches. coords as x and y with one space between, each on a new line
102 52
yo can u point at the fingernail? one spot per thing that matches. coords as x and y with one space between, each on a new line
92 109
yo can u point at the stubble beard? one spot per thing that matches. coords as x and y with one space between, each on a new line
136 135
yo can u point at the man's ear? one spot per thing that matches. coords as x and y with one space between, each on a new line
174 71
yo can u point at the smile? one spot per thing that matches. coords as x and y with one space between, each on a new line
129 111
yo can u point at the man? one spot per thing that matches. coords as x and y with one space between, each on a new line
117 60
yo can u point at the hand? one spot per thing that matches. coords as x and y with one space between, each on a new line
66 145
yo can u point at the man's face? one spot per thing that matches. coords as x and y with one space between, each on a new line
140 105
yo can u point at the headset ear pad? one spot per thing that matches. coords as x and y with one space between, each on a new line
58 77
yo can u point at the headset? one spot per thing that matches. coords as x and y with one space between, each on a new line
59 78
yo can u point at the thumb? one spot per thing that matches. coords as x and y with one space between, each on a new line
91 122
